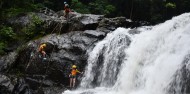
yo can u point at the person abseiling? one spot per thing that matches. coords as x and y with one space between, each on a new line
73 75
42 50
66 10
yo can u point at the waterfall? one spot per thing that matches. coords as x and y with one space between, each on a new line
145 63
105 60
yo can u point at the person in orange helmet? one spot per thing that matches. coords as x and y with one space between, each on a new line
42 49
73 75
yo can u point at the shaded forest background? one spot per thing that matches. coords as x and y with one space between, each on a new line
152 11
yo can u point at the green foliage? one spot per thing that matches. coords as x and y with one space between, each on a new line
102 7
35 19
6 33
34 7
11 12
34 28
2 46
48 3
170 5
79 7
109 9
75 1
14 7
156 18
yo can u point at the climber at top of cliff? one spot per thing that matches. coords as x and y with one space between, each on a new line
66 10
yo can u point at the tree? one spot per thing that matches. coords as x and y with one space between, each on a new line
170 10
102 7
79 7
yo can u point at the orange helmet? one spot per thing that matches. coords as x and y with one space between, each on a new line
74 66
44 45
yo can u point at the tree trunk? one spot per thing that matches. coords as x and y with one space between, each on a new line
131 13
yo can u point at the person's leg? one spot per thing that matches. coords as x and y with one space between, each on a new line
71 80
64 13
74 79
43 53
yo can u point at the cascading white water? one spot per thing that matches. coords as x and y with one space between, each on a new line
105 59
150 62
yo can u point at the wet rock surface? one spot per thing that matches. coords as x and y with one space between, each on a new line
63 51
181 81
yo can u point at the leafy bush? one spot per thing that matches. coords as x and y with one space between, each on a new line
170 5
2 47
12 8
6 33
34 28
109 10
102 7
79 7
11 12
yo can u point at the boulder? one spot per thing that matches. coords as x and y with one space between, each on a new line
5 85
7 61
113 23
181 81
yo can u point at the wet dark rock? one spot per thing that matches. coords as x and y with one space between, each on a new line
62 52
21 87
53 90
83 21
4 90
58 24
48 12
140 23
7 61
21 20
5 84
181 82
113 23
95 34
134 31
87 92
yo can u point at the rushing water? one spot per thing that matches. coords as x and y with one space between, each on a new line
144 63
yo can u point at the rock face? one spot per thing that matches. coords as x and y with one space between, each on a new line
25 72
36 75
181 81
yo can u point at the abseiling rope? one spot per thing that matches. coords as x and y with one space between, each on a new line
59 31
